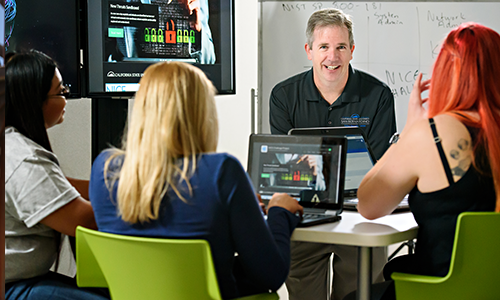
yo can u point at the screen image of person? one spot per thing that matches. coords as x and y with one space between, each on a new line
166 181
332 94
41 203
291 170
448 154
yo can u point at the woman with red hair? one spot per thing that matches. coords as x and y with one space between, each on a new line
448 156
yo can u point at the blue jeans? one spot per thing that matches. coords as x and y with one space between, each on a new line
51 286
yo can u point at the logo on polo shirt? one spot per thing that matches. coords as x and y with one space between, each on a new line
355 120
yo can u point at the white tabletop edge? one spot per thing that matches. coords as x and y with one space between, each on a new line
355 230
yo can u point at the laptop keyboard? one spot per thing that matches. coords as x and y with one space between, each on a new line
309 216
310 219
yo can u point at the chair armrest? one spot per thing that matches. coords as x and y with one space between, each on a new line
417 278
418 287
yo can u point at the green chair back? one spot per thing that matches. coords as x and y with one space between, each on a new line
147 268
475 264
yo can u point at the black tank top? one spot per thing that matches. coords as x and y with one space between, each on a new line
436 212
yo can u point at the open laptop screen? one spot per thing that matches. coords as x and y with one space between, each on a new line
359 162
360 158
298 164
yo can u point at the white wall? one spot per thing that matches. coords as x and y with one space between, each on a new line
71 141
394 40
234 110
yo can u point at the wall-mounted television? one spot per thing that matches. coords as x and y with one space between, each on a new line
126 36
51 27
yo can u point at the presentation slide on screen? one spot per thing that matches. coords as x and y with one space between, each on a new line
155 31
140 33
294 169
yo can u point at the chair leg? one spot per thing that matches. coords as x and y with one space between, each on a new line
411 248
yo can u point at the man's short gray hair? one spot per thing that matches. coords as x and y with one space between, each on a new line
328 17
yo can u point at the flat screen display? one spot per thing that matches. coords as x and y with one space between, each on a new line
51 27
126 36
301 166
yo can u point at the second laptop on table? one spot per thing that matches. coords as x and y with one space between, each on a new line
360 160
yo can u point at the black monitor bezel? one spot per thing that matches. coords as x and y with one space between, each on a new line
78 91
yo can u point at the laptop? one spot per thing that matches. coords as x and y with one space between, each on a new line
309 168
360 159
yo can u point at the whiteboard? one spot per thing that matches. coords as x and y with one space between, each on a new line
394 41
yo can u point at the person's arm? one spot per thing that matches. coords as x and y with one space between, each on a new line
194 9
279 116
315 162
396 173
391 178
383 125
46 196
67 218
207 54
285 201
263 251
82 186
199 16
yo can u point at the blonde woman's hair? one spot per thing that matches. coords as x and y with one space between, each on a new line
174 119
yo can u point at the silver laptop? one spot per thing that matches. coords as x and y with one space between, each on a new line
309 168
360 159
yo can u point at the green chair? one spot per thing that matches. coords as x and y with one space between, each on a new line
148 268
475 264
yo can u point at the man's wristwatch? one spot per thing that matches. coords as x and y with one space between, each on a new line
394 138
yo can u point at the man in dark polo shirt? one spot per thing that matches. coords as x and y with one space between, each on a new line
365 102
332 94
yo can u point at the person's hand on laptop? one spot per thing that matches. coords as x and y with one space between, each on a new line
261 204
287 202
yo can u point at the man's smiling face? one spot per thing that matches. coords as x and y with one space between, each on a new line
330 54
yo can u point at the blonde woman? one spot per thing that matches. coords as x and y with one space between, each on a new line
167 182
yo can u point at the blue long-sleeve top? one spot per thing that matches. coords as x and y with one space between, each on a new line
223 210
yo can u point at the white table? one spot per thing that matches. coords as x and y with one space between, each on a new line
355 230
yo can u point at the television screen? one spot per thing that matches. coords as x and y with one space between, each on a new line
48 26
126 36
